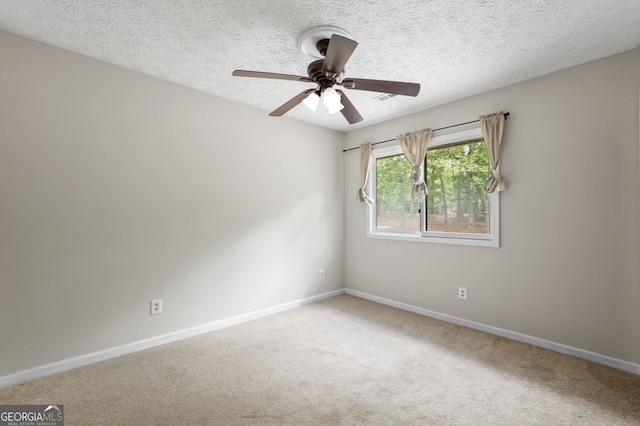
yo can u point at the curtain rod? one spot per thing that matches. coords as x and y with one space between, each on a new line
506 114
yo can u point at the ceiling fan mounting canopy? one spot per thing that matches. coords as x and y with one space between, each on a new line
334 50
308 41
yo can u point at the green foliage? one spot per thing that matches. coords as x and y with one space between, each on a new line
456 176
393 183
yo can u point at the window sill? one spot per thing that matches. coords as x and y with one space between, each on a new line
455 239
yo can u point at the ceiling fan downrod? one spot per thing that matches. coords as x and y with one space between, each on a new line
322 46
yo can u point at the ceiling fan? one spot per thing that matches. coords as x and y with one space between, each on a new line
335 47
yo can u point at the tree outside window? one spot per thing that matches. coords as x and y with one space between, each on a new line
455 176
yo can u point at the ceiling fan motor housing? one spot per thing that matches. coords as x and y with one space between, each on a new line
323 78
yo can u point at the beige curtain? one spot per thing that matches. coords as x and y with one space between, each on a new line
414 146
492 128
365 156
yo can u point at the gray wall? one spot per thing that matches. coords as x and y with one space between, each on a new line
567 268
117 188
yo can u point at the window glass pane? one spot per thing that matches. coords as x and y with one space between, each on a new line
457 201
394 208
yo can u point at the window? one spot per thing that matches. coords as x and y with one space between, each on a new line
457 209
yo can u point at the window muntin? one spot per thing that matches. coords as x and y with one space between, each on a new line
472 214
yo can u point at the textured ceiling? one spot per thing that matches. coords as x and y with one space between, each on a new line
453 48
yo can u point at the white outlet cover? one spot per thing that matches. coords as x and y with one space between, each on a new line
156 306
462 293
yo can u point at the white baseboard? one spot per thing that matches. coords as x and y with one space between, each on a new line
553 346
68 364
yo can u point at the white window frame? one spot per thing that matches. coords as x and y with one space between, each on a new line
491 239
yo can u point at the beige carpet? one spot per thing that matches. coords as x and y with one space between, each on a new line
344 361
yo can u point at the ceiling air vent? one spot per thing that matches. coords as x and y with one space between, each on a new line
384 96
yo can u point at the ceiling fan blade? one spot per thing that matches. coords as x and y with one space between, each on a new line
382 86
285 107
349 111
272 75
338 53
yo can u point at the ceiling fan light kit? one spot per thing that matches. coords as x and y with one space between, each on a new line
334 46
312 101
332 100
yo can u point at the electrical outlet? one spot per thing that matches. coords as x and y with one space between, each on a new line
156 306
321 274
462 293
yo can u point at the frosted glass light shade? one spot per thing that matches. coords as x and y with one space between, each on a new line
332 100
312 101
